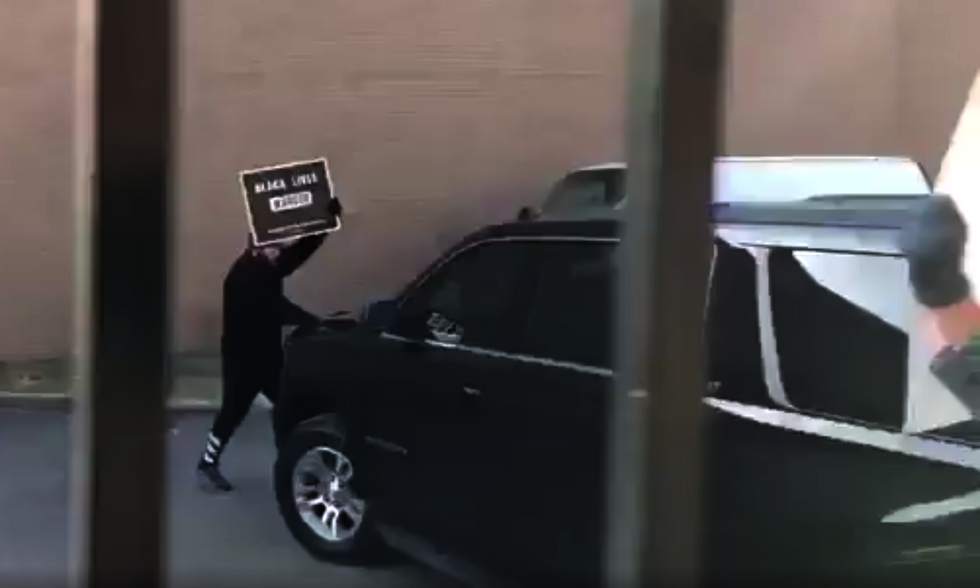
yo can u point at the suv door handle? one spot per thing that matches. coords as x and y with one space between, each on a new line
471 391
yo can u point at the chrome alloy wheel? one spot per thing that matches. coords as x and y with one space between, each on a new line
324 498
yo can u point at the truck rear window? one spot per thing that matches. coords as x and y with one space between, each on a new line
586 189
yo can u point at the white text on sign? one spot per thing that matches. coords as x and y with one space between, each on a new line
280 184
290 201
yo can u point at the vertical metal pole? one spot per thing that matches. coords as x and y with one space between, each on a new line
676 72
122 180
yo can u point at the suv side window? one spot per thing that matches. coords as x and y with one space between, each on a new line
475 297
572 316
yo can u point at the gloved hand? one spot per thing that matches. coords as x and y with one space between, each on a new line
335 208
934 243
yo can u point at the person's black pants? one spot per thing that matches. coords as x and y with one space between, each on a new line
244 377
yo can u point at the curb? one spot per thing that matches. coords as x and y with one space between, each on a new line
53 401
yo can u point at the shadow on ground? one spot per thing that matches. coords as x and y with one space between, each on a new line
232 540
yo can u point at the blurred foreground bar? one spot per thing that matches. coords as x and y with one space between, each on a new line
654 503
124 122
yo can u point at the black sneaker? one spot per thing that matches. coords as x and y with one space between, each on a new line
210 480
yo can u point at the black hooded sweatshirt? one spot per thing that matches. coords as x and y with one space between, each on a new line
255 308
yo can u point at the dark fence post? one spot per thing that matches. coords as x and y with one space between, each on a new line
654 502
123 175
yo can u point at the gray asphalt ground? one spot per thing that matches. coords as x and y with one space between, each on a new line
234 540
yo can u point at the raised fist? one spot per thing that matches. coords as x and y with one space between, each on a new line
934 243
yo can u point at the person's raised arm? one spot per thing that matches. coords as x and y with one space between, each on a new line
294 256
295 315
291 258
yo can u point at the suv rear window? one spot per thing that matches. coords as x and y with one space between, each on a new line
835 357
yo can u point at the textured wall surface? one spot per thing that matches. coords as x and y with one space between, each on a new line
36 87
437 116
813 77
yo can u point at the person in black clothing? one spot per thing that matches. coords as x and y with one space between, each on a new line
255 311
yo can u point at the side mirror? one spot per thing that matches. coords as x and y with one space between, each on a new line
380 314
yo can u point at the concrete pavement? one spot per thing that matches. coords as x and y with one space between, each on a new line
235 540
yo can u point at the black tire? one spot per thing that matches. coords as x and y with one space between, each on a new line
326 431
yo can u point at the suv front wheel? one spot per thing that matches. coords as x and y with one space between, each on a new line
315 491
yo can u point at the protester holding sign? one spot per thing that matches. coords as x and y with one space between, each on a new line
254 313
287 201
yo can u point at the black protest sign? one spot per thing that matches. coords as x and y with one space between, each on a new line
288 201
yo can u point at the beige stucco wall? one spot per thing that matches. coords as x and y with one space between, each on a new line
813 77
437 116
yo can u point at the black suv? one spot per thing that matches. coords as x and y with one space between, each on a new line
468 416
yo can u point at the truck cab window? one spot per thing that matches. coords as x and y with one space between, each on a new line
572 315
587 189
473 296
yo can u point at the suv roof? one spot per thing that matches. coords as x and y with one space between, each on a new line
598 227
751 179
871 221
